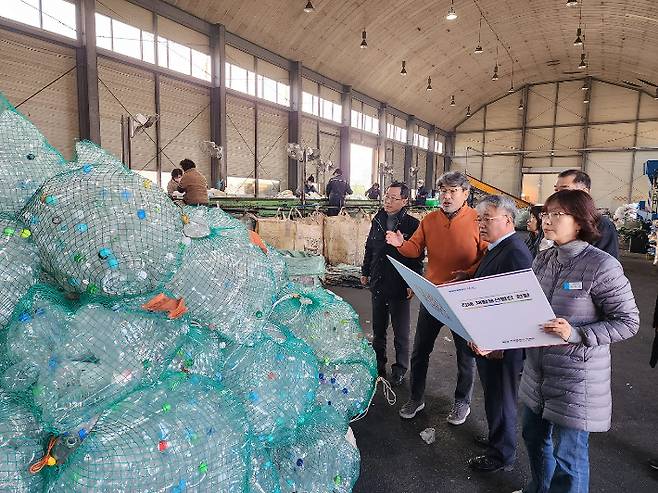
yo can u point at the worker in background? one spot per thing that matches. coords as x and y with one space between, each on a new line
390 293
574 179
337 189
193 184
499 370
373 193
309 187
176 175
421 193
454 249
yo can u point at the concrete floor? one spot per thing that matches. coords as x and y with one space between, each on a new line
394 459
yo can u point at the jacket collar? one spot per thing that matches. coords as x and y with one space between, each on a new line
382 215
493 253
567 252
455 214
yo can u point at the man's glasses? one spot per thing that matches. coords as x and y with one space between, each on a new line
388 198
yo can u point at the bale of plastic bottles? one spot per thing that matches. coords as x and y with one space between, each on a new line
151 347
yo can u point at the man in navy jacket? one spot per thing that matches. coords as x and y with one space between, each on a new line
499 370
390 293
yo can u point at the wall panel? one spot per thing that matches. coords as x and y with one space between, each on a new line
272 143
240 138
26 66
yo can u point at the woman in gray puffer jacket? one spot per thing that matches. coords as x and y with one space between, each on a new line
566 388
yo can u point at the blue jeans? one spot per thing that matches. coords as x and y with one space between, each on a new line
559 456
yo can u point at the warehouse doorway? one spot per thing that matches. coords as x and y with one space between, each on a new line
361 162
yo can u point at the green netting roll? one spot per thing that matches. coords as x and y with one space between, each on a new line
71 363
185 434
326 322
19 265
26 159
21 443
276 382
103 229
320 459
346 388
227 284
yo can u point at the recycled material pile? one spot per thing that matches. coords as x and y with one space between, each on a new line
145 347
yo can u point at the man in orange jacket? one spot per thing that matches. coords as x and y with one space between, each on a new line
454 249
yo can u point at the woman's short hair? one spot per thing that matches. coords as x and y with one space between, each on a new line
579 205
535 210
176 172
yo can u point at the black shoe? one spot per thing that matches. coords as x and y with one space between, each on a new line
397 380
481 440
484 463
653 464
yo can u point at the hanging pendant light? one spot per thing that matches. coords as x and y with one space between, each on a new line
478 48
520 108
586 98
403 72
309 7
495 77
452 15
511 87
364 43
579 40
584 87
429 84
468 112
572 3
452 100
656 96
583 63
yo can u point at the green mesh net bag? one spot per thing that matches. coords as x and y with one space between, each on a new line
103 229
264 475
346 387
185 434
320 460
326 322
26 159
69 373
19 265
227 284
277 382
201 352
21 443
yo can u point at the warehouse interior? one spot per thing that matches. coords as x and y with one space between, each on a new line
512 92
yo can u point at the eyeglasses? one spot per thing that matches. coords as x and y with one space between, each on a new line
450 191
552 216
392 199
489 219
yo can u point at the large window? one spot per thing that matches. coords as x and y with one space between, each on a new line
394 132
248 82
315 105
120 37
365 122
57 16
421 141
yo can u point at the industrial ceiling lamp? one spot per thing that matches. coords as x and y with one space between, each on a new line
584 87
452 15
468 112
403 72
586 98
429 84
521 105
583 63
656 96
572 3
364 43
452 100
579 40
309 7
511 87
478 48
495 77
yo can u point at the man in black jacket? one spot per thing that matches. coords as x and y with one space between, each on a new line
499 370
390 293
337 188
574 179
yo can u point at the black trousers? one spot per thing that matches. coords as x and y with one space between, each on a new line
500 382
399 313
427 330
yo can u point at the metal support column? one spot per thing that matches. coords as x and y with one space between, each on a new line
89 121
555 107
346 131
524 131
633 154
409 149
218 169
431 157
295 123
484 140
583 165
381 142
